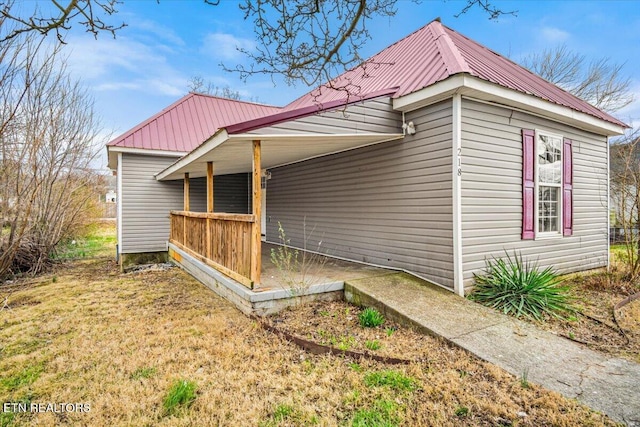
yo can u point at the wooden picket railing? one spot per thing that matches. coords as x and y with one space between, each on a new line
220 240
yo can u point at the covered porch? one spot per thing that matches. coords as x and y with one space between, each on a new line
231 244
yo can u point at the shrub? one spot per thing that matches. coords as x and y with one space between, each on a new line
181 395
519 288
371 318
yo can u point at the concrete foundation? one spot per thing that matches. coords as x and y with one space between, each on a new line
130 260
260 302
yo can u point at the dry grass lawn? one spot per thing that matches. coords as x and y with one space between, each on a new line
89 334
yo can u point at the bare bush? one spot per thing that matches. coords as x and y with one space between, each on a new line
47 141
625 197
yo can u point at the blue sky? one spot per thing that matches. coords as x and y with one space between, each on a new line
149 64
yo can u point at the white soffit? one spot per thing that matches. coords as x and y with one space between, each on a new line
234 153
481 89
113 150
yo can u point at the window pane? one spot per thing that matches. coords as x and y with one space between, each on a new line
548 209
549 159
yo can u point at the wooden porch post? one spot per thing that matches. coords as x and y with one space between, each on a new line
209 205
210 187
256 240
186 192
185 207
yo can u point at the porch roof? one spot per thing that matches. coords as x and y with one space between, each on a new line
233 153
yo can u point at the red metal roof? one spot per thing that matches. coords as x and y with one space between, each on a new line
429 55
432 54
188 122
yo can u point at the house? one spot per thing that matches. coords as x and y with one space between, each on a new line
434 155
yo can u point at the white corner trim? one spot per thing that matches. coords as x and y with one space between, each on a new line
608 206
218 138
119 205
465 84
456 171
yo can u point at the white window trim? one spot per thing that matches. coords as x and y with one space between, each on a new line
549 234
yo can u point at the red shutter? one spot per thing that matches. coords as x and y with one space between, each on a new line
567 188
528 184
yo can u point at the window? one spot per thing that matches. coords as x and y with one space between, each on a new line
549 183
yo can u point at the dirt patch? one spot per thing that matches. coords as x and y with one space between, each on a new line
337 324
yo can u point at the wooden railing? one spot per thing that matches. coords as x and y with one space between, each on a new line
220 240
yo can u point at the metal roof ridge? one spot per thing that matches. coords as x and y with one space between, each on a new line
242 101
453 59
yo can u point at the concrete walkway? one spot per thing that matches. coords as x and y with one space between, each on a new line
607 384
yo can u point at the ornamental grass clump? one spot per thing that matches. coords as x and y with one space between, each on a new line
370 318
520 288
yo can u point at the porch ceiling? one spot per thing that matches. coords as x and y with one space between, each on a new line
233 153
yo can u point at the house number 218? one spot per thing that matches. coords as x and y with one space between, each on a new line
459 161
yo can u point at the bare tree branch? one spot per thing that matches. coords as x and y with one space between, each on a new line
304 41
485 5
80 10
197 84
312 42
598 82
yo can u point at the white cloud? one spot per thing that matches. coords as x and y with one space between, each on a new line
554 35
117 86
225 46
159 32
125 64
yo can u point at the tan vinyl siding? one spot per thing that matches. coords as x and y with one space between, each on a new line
492 191
146 203
387 204
373 116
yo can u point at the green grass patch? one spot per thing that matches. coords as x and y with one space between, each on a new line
395 380
383 413
343 343
140 373
25 377
461 411
7 419
288 415
181 395
98 242
370 318
520 288
373 345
